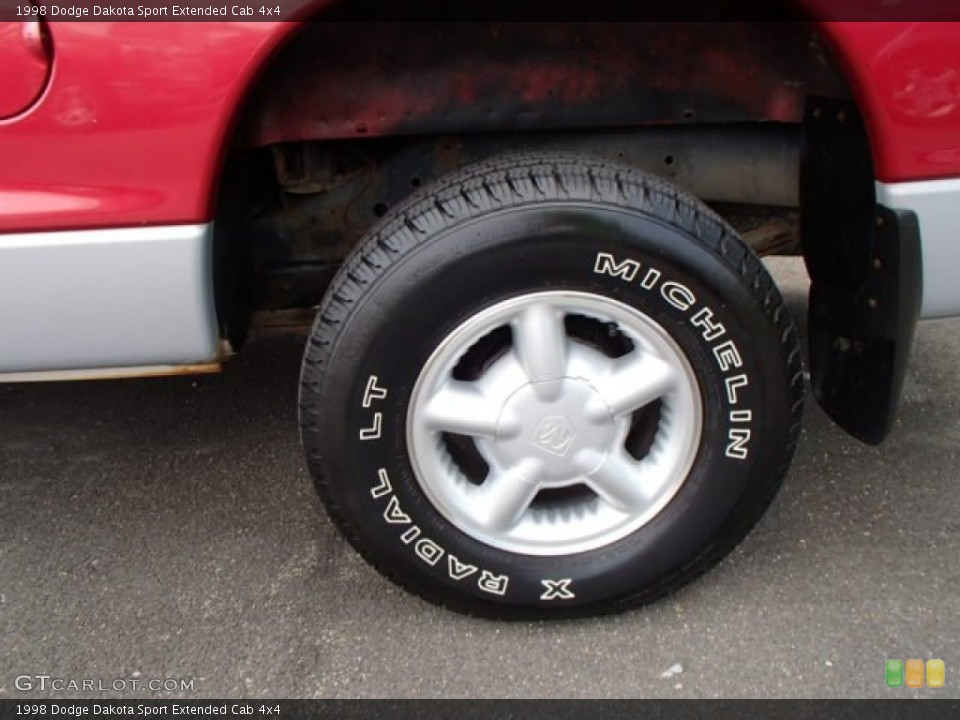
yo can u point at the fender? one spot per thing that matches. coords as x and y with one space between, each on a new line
107 190
108 96
135 122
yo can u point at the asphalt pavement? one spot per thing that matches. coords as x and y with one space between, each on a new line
167 528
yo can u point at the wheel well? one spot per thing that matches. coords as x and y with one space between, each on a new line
337 80
350 117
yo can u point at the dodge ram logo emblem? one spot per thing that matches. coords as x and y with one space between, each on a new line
554 435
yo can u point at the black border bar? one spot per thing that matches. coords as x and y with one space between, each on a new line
489 709
474 10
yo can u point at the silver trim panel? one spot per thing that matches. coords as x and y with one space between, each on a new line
99 299
113 373
937 206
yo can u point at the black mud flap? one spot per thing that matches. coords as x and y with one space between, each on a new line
866 278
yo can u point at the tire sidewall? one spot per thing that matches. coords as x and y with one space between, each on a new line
614 252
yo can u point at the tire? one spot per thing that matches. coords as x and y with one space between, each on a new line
479 395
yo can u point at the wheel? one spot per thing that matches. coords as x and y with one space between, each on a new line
549 386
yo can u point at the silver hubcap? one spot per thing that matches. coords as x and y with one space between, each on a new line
554 423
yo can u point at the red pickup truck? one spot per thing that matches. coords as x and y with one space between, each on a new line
549 374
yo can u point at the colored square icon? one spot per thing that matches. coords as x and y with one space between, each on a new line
894 673
914 673
936 673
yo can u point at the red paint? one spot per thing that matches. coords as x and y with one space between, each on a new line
131 130
132 126
906 76
24 66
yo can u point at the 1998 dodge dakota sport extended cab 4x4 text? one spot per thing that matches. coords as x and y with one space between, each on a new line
549 374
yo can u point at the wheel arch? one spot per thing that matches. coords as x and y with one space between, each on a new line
332 81
338 80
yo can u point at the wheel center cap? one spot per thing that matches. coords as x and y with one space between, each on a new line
555 434
547 421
